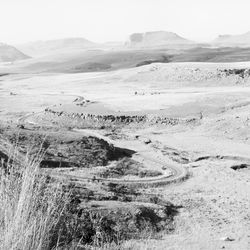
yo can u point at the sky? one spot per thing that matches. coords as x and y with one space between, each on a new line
114 20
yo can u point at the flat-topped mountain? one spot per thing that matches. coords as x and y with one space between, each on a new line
242 40
41 48
9 53
157 38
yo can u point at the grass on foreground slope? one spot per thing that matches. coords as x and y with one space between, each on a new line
34 212
29 210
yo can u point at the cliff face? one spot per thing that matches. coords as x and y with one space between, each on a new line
157 38
9 53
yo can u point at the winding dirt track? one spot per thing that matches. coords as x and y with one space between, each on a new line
178 173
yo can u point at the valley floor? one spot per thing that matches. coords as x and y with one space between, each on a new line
206 131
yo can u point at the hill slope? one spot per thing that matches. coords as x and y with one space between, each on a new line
43 48
242 40
107 60
9 53
89 61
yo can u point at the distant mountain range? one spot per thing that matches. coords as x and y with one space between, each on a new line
155 40
242 40
10 54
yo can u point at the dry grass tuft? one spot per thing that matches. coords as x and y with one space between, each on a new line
30 207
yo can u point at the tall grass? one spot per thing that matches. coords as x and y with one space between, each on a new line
30 206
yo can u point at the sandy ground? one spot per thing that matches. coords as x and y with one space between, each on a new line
215 201
126 90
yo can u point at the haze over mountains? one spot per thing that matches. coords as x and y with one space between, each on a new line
158 38
42 48
242 40
10 54
140 49
147 40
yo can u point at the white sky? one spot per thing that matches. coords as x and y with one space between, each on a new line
114 20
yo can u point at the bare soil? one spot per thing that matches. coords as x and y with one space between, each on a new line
192 144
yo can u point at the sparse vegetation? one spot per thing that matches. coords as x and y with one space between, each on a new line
91 67
96 139
126 167
163 59
243 73
63 151
30 206
38 212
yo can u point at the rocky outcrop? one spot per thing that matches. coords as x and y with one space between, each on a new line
126 119
243 73
62 150
184 74
94 117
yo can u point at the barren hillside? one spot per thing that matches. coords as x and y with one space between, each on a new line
43 48
10 54
242 40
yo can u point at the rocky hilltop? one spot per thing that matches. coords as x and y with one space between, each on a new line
157 38
41 48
